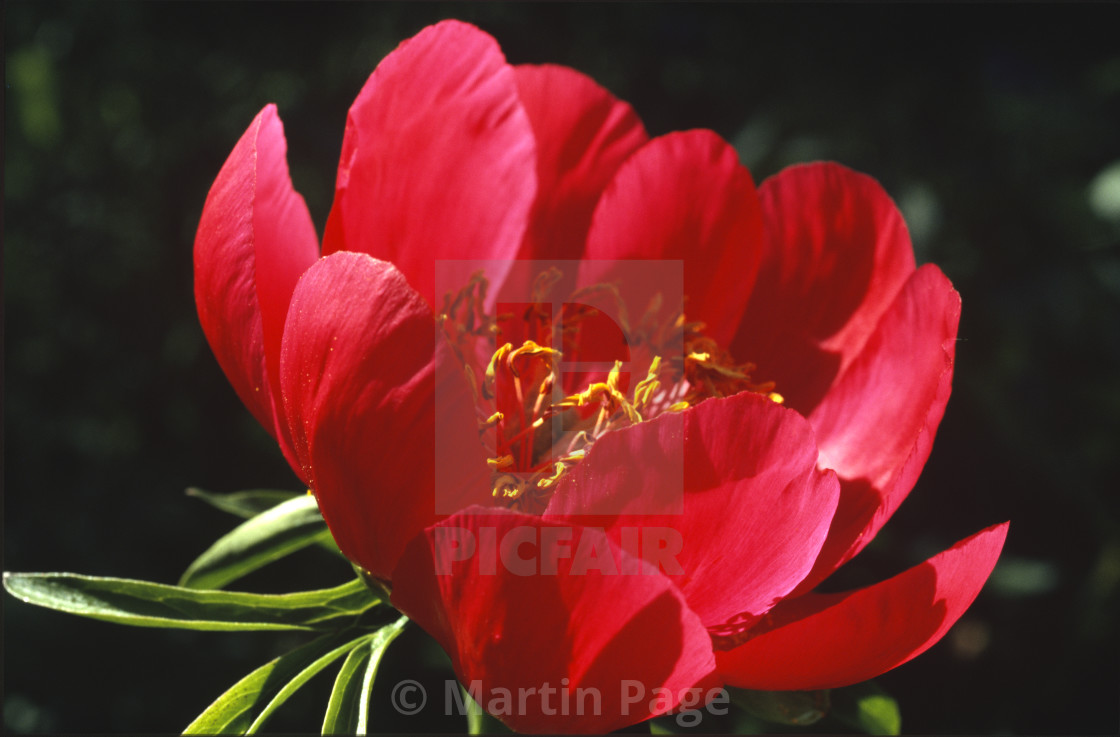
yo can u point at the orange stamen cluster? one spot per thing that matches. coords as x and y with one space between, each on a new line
535 431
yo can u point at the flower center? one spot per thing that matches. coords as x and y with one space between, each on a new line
557 383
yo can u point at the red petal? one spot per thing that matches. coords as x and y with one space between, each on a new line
683 196
254 240
833 640
583 134
358 370
755 507
438 159
837 252
519 603
876 425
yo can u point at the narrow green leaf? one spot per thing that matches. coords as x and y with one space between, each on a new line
269 536
868 708
798 708
346 696
270 685
348 708
146 604
244 504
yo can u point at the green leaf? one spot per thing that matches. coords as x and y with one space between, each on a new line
868 708
269 686
289 526
798 708
244 503
345 705
145 604
348 708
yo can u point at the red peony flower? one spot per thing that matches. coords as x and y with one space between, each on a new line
637 536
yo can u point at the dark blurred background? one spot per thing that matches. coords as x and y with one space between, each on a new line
996 128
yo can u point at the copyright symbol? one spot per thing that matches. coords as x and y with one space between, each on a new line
409 697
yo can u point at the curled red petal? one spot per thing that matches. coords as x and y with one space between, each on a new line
836 253
583 134
730 489
684 197
359 368
254 240
833 640
520 603
876 425
438 160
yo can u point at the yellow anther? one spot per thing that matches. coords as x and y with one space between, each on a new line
578 446
632 414
678 406
776 398
490 421
508 487
585 397
648 386
549 481
528 348
499 463
613 377
610 397
492 370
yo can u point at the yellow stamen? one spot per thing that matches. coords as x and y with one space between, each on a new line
529 456
528 348
499 463
508 487
491 370
490 421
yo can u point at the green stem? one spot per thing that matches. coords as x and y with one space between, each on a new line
478 721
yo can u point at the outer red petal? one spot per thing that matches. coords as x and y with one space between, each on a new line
755 507
583 134
438 158
358 369
254 240
876 425
837 252
832 640
508 624
683 196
